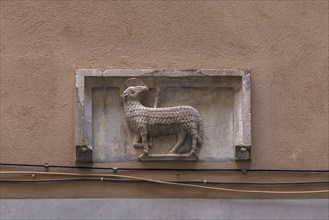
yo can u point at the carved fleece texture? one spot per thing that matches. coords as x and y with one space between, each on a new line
161 121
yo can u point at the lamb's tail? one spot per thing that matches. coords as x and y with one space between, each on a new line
200 132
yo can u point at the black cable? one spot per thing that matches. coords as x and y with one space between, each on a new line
164 169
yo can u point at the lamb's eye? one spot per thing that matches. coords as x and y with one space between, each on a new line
132 92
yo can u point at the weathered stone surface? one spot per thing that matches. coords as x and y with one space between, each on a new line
221 96
168 157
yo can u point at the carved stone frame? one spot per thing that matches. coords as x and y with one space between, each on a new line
241 120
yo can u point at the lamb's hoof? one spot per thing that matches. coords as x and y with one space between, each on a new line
193 152
145 152
171 152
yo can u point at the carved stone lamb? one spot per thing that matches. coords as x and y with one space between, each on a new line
146 121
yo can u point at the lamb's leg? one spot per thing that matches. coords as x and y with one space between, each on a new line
144 139
194 143
137 141
180 140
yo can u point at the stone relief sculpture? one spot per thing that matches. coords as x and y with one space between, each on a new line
221 96
147 122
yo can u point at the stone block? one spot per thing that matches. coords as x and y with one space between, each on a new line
222 97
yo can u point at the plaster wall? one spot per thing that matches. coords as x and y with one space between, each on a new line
163 209
284 43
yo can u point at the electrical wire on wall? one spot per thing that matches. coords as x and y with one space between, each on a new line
46 166
128 178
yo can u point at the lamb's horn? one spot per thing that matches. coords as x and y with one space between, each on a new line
134 82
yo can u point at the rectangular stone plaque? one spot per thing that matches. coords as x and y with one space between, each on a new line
222 97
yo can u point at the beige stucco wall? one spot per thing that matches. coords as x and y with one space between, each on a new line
284 43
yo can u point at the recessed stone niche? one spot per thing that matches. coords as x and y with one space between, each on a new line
222 97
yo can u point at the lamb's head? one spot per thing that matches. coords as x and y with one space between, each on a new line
134 93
